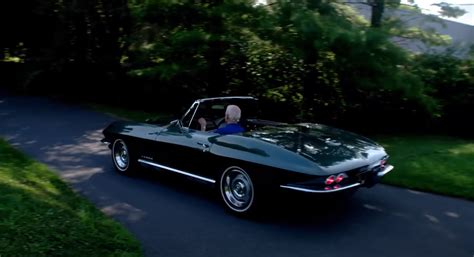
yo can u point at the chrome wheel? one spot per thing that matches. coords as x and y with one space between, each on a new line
120 155
237 189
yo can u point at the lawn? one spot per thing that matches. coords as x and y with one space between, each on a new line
41 216
436 164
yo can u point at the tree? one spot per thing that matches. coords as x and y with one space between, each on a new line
318 59
56 39
452 80
378 8
449 10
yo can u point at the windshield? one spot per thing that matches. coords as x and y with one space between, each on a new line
188 116
213 111
216 108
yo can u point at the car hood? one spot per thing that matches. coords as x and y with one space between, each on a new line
135 129
330 148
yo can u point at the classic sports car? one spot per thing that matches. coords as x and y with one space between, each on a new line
305 157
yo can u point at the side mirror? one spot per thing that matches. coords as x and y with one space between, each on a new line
179 126
176 123
184 130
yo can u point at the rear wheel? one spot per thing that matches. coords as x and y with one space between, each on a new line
237 190
121 157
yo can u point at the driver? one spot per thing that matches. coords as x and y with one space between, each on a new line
232 117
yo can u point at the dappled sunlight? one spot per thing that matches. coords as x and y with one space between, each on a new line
87 144
41 216
20 175
415 192
433 164
443 221
75 159
39 191
415 164
12 138
462 149
417 208
79 174
45 193
30 178
452 214
431 218
125 210
372 207
31 142
53 157
401 215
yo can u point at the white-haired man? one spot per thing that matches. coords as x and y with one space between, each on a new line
232 117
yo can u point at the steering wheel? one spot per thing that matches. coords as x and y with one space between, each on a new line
218 122
211 124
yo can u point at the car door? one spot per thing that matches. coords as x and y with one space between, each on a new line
184 150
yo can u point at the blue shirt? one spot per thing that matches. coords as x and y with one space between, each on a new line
230 129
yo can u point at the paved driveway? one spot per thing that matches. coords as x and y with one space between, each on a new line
173 216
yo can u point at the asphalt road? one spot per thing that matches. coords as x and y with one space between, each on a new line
173 216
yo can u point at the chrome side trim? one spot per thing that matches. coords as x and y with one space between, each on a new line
387 169
301 189
176 171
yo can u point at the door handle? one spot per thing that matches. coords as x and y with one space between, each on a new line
205 147
203 144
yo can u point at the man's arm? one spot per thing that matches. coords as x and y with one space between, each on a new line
203 123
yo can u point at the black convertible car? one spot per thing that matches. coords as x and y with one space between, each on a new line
305 157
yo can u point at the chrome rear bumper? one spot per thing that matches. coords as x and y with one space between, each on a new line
302 189
383 172
378 175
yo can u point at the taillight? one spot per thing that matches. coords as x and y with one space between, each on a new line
340 177
330 180
383 162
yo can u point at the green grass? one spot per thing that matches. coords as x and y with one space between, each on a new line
443 165
133 115
41 216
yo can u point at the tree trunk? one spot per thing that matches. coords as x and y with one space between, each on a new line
378 8
216 78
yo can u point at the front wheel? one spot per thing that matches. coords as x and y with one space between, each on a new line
121 157
237 190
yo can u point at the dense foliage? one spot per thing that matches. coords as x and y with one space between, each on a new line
315 60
